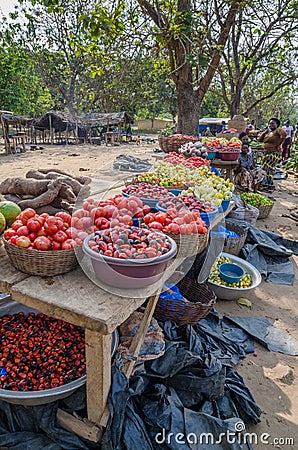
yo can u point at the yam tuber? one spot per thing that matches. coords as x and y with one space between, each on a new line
43 199
21 186
80 179
74 184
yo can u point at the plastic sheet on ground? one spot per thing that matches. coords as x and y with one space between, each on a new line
192 389
271 337
270 253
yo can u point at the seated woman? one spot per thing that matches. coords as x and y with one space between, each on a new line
247 176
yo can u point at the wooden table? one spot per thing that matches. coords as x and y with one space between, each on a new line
226 166
111 138
73 297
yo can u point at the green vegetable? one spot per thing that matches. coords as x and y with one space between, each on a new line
256 200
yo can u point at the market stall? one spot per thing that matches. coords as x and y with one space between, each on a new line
82 301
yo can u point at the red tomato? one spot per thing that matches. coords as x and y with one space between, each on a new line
64 216
53 224
102 223
174 228
146 209
110 211
82 235
34 224
80 213
23 241
41 232
155 225
13 239
9 233
161 217
98 212
83 223
127 220
23 231
44 216
149 218
27 214
16 225
68 244
71 232
42 243
32 236
60 236
56 245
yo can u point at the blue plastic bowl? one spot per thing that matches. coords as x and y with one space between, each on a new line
225 204
176 191
230 273
208 217
211 155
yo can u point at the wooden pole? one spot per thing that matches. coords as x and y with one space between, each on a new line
51 130
5 136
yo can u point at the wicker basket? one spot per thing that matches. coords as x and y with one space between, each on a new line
264 211
38 262
189 245
234 245
172 143
198 301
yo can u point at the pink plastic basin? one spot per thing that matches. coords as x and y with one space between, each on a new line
128 273
229 156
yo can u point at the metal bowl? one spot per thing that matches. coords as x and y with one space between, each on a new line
230 293
32 398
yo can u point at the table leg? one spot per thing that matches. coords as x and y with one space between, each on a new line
98 369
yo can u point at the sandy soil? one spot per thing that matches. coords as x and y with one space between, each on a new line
272 377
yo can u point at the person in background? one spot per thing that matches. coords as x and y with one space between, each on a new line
286 146
208 132
224 127
243 136
247 176
273 138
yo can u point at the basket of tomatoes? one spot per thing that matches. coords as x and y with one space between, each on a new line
174 142
41 244
187 229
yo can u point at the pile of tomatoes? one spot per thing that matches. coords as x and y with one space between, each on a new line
42 231
182 222
174 158
190 201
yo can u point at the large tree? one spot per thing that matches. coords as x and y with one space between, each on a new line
262 52
185 29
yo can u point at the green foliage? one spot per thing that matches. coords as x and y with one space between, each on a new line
21 89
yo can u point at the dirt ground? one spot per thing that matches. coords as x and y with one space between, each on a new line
271 377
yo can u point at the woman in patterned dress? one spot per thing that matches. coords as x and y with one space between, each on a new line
273 138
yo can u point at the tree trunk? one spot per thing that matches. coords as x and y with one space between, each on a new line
188 109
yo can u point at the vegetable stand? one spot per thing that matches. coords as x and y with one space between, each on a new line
76 299
228 166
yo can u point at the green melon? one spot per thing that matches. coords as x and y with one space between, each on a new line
2 223
10 211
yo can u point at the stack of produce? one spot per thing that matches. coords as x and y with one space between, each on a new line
129 243
222 144
182 222
45 190
256 200
40 352
191 162
42 232
193 149
189 202
214 277
146 191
